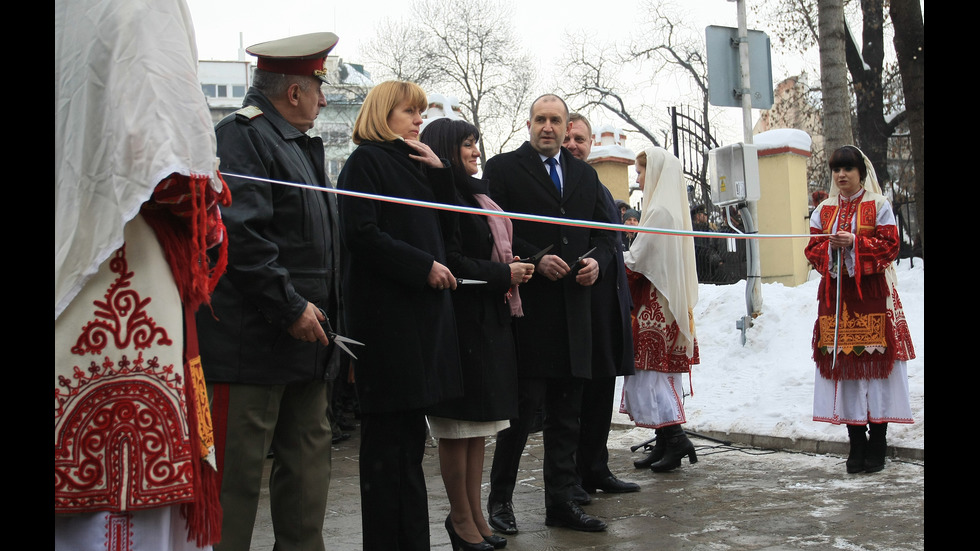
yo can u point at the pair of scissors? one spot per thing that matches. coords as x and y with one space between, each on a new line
339 340
577 265
537 256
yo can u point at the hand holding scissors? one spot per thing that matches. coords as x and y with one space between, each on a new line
339 340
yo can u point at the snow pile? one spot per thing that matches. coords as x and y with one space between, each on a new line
783 137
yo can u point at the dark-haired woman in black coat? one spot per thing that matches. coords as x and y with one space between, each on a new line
478 247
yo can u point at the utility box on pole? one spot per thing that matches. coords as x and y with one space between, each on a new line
733 172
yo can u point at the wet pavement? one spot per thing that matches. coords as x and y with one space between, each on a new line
736 497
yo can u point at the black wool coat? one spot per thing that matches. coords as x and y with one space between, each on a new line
409 359
612 331
488 357
554 338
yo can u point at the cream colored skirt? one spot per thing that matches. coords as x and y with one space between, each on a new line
455 429
861 402
654 399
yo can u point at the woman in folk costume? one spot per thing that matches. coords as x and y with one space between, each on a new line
663 281
136 195
860 343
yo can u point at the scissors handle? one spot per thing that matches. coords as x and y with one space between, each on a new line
577 265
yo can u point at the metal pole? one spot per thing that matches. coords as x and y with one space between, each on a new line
753 284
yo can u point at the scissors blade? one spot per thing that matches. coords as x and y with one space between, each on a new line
464 281
345 349
341 341
586 255
537 256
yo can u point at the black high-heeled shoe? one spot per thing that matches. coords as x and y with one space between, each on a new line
678 447
459 544
496 541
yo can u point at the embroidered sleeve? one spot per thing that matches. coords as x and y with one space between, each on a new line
637 284
184 197
876 248
818 249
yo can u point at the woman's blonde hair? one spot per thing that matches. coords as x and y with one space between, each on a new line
641 158
372 120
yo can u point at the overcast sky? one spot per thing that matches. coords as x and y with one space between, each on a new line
538 26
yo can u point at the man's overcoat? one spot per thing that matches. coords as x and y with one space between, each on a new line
555 335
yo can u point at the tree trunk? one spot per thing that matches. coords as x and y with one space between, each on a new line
865 65
833 76
909 47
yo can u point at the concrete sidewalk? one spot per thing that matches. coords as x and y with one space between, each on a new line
734 498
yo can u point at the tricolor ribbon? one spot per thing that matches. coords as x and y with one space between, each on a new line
523 216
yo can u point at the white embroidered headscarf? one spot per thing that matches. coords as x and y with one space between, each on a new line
128 112
870 183
667 260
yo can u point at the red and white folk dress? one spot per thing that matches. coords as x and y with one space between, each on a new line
868 382
653 397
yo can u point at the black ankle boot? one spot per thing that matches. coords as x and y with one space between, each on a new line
859 447
874 460
678 446
656 454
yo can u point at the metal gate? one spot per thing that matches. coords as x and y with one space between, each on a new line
720 261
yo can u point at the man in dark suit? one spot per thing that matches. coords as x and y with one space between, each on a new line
612 350
554 338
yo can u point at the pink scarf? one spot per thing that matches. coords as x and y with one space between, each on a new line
503 234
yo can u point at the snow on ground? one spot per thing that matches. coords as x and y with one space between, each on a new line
766 386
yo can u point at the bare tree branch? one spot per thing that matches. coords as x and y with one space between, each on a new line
463 48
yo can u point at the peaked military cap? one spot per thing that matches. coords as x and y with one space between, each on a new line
296 55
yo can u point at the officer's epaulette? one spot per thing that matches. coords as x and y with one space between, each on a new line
249 112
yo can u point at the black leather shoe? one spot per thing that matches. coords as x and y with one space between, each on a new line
611 485
570 515
580 495
501 517
496 541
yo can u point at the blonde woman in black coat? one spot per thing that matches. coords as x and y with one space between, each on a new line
397 285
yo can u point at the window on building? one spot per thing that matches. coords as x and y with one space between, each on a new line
210 90
222 91
238 91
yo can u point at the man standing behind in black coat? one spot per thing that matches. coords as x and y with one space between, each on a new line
612 350
554 338
266 356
